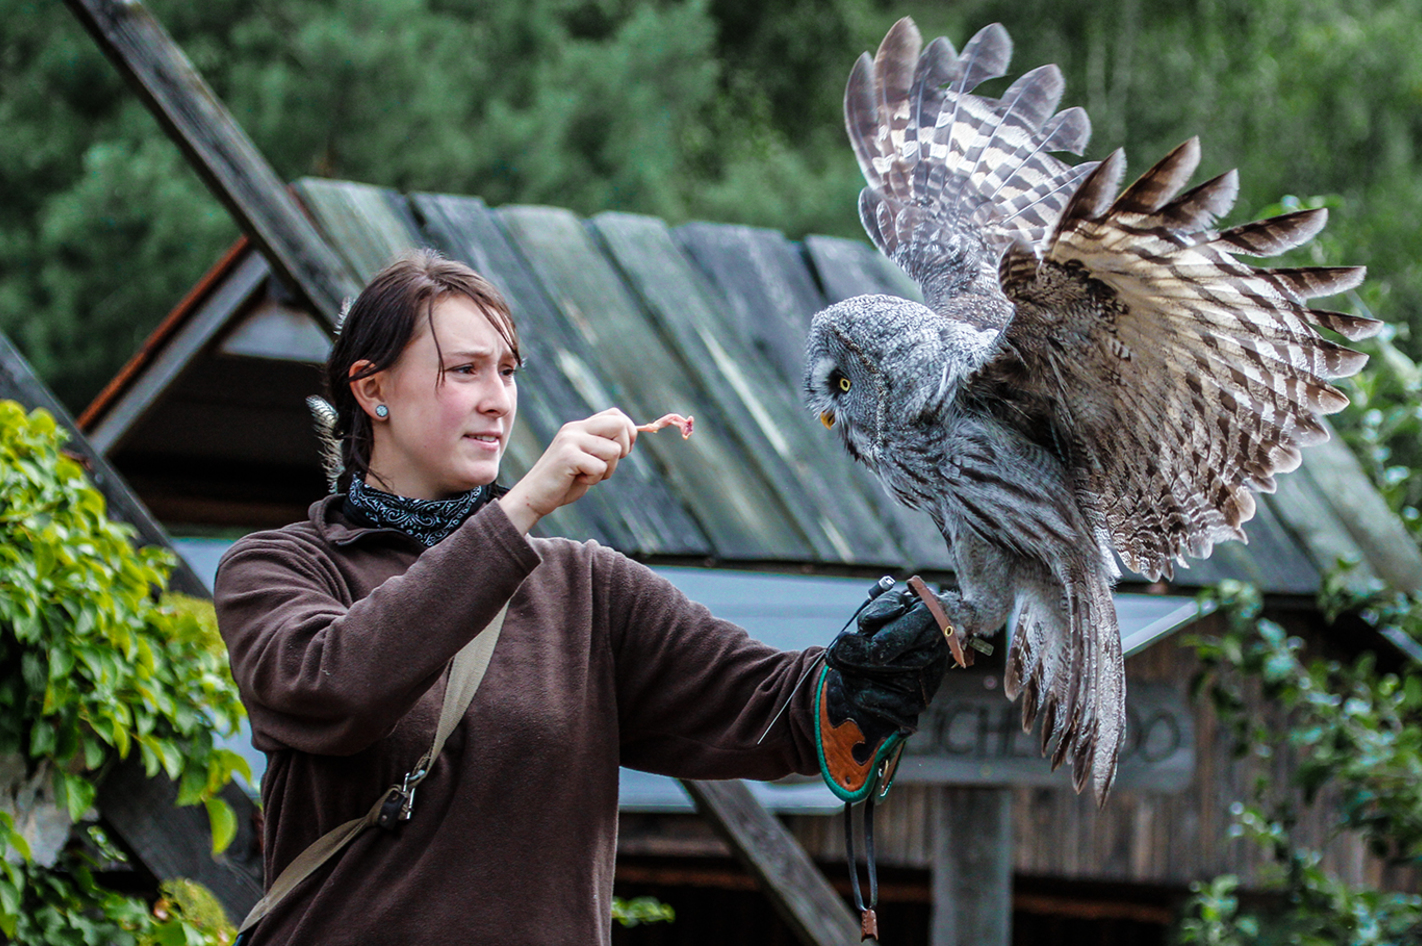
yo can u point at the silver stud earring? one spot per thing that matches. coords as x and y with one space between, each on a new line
382 411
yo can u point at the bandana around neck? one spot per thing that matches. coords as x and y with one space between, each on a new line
426 520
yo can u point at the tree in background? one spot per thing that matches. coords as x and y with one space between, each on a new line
711 109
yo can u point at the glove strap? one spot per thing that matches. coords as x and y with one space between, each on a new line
868 919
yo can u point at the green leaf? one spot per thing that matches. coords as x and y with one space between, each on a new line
74 792
224 824
172 757
192 785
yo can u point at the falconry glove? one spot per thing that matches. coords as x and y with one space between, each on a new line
877 678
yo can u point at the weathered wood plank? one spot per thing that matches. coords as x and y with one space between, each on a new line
848 268
366 224
177 842
635 511
218 149
972 867
1320 532
740 513
771 298
790 448
800 893
770 294
1375 531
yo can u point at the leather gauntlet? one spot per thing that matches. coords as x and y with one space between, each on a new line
877 678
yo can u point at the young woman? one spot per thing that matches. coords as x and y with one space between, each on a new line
341 628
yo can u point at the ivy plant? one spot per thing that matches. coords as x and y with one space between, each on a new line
96 665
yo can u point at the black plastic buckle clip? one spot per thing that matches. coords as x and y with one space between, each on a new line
395 808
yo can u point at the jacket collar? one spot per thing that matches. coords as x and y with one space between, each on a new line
330 521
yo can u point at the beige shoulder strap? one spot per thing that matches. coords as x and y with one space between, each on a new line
466 672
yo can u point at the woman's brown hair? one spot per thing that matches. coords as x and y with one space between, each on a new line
383 320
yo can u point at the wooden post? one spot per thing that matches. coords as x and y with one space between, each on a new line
797 888
177 842
972 867
219 150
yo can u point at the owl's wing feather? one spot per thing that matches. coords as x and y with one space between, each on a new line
955 178
1180 377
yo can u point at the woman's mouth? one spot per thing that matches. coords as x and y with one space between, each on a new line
487 441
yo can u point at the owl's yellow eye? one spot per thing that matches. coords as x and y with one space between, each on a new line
843 384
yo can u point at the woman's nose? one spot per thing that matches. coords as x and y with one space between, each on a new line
497 397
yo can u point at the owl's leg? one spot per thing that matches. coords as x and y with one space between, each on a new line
986 582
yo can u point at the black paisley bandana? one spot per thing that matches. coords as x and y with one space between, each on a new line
426 520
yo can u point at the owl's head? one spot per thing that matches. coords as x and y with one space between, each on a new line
876 362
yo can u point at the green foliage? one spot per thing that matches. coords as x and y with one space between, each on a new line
94 667
1347 729
713 109
1318 910
67 906
639 910
188 915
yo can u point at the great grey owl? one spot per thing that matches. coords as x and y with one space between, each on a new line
1085 374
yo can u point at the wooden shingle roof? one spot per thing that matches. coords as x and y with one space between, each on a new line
710 319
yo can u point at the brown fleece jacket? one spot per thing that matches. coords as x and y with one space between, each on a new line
340 636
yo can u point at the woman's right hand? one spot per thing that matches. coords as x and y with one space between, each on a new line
582 454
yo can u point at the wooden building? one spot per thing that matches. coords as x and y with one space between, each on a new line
209 426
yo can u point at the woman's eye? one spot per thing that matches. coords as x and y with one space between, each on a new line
843 384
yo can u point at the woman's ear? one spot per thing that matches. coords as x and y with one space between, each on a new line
369 391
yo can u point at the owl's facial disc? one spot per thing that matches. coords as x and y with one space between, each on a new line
837 389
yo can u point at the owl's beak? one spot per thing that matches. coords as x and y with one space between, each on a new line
827 418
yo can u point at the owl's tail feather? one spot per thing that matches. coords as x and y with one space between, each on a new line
1066 663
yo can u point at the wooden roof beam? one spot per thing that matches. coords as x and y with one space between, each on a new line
220 151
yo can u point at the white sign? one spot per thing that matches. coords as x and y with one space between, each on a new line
973 735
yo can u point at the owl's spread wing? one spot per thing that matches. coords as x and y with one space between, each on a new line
955 178
1176 377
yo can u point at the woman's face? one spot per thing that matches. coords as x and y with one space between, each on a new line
443 437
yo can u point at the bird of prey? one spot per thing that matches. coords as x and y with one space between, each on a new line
1089 371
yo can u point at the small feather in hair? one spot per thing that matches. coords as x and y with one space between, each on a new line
325 420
